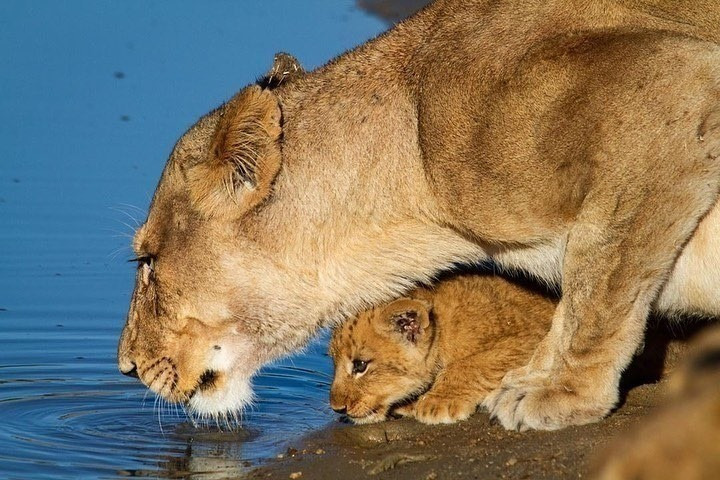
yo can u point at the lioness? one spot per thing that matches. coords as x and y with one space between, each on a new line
577 140
437 352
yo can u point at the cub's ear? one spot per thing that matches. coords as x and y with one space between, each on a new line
244 156
285 69
408 317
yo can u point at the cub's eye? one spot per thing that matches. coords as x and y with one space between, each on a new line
359 366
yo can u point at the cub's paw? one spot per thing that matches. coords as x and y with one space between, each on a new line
544 401
433 409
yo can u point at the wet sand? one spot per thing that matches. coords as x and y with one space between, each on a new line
478 448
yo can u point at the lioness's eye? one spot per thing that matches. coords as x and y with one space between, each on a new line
359 366
143 260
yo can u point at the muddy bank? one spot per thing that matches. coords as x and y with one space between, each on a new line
478 448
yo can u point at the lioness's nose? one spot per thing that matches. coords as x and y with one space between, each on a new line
341 410
131 372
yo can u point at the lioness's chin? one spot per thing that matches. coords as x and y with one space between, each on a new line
229 399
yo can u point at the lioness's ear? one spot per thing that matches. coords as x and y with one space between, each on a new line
244 156
285 68
408 317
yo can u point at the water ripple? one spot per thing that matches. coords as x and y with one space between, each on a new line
92 426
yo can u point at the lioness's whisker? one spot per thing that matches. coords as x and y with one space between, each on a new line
190 415
141 211
156 411
112 255
117 233
135 220
145 397
132 229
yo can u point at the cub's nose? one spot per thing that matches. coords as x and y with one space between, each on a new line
131 371
341 410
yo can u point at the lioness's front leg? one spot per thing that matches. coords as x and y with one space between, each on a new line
618 255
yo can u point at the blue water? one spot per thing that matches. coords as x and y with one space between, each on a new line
93 94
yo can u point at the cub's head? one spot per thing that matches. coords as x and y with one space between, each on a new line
382 358
212 300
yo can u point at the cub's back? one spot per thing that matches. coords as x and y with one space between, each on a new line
485 312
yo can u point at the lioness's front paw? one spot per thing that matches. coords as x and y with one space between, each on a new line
543 401
432 408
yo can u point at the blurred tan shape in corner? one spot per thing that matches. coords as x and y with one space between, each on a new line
682 439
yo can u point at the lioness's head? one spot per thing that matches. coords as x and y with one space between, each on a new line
210 303
382 358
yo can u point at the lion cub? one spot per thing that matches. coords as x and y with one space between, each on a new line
437 353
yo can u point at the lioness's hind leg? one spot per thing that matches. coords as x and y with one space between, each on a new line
633 225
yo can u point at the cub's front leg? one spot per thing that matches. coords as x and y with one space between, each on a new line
619 253
462 385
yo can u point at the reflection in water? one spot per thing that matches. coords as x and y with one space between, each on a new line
82 417
207 455
97 94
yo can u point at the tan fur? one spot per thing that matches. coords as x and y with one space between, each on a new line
244 156
474 329
574 139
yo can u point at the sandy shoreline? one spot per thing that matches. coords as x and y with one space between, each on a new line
478 448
